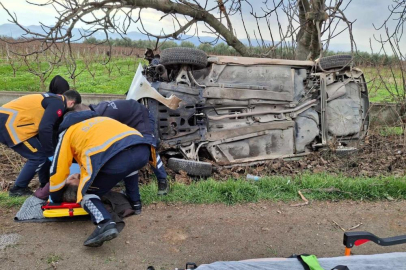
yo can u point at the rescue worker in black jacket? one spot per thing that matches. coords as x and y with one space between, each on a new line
58 85
137 116
27 126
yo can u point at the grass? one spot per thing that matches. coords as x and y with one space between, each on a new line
314 187
116 83
8 202
390 131
53 259
280 189
377 90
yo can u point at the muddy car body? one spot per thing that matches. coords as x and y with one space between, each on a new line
238 110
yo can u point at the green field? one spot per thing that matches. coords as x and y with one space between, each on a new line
123 70
117 83
383 86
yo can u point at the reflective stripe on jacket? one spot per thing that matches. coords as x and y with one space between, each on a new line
91 143
21 117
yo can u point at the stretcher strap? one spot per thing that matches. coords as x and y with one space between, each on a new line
50 205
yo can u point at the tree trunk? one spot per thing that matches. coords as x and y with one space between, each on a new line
42 80
303 37
308 43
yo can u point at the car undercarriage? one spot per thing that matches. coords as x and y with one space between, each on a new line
239 110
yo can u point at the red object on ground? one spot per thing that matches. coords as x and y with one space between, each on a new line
50 205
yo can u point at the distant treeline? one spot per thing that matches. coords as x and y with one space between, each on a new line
282 52
360 58
220 48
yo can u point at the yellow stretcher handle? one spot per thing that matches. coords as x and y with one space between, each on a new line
52 213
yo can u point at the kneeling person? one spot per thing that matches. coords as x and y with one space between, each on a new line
107 152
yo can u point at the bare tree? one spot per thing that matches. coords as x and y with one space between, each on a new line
119 66
72 65
13 60
107 64
90 61
397 13
41 65
128 60
305 25
392 77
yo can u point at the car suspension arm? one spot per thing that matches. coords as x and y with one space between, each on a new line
301 107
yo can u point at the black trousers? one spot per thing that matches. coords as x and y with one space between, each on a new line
116 169
37 162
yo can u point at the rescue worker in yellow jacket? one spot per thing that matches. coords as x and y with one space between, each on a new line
28 125
107 151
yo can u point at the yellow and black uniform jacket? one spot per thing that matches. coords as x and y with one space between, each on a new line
91 143
29 116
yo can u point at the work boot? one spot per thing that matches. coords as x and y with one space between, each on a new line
136 206
103 232
163 187
17 191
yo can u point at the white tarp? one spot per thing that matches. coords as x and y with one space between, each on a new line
387 261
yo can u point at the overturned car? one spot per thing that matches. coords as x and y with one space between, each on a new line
239 110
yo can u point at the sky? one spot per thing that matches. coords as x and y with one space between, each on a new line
365 12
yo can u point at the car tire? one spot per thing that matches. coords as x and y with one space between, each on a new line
191 167
335 61
184 56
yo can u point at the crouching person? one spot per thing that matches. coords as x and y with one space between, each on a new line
107 152
28 125
135 115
